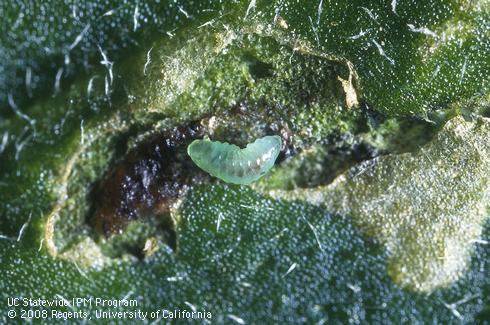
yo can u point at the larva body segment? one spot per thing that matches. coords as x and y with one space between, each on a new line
233 164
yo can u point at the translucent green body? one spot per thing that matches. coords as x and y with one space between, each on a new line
233 164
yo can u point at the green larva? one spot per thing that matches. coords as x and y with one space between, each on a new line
232 164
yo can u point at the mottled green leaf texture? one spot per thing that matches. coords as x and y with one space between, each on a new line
428 207
258 259
370 205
